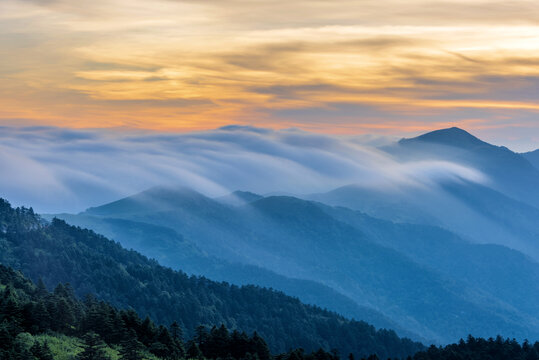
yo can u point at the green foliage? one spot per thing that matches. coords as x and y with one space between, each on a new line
93 348
61 346
36 324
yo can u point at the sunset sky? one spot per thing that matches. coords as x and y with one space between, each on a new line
394 67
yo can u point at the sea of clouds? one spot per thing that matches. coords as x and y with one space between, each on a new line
67 170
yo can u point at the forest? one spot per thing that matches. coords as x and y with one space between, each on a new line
33 321
36 324
109 302
56 253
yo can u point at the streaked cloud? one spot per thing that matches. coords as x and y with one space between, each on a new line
189 65
56 169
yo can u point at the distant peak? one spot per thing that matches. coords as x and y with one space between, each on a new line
157 198
453 136
239 197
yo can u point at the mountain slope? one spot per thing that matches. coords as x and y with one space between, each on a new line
532 157
58 252
504 273
171 249
295 238
473 211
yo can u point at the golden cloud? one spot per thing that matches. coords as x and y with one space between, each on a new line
171 64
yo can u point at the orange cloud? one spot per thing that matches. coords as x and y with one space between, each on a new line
184 65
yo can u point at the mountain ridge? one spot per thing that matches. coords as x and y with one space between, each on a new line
294 238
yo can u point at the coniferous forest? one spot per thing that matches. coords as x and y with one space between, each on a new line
111 303
42 325
36 323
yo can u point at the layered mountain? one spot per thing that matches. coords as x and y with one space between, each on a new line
57 252
171 249
507 172
500 207
378 264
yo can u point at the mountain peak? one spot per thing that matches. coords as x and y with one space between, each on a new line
157 198
239 197
453 136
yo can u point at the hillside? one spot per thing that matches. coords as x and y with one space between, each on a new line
532 157
173 250
294 238
40 325
57 252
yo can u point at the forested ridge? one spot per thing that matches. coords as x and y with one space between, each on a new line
59 253
31 318
36 324
380 265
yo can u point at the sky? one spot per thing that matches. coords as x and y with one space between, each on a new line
390 68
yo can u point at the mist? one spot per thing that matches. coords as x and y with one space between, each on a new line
66 170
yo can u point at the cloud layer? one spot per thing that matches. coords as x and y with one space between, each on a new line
57 170
393 67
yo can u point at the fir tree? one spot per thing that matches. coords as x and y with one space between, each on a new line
94 348
193 351
131 347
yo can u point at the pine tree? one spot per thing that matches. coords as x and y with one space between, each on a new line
41 351
6 340
193 351
41 316
176 332
201 335
94 348
178 350
260 347
131 347
41 290
46 353
147 331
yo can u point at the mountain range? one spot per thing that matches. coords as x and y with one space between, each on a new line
432 262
